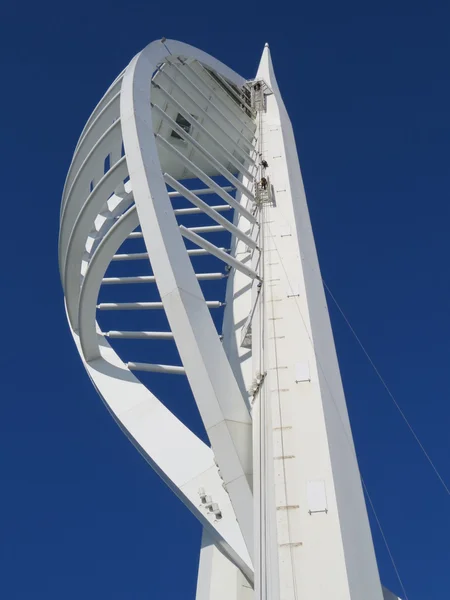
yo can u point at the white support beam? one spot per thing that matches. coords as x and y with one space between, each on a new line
171 81
209 210
139 335
222 406
152 279
134 235
215 251
218 578
206 179
248 143
208 229
242 117
147 305
207 155
144 255
150 368
192 211
203 229
197 125
204 191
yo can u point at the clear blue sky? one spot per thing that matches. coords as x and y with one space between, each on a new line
367 87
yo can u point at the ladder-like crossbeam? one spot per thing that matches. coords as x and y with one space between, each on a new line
147 305
209 210
144 255
204 191
208 229
201 111
169 369
197 125
203 229
152 278
192 211
245 141
139 335
215 251
207 155
206 179
242 117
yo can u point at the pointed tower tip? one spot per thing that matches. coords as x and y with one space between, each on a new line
265 65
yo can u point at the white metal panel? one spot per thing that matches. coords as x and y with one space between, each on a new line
302 372
317 498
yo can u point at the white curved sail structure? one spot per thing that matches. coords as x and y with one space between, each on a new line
185 183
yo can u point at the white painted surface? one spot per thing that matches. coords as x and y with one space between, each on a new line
317 497
218 578
302 372
325 555
312 539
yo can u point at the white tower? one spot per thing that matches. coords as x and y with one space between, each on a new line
180 136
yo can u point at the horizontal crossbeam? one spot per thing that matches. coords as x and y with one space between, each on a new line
192 211
147 305
206 179
213 139
152 278
140 335
144 255
169 369
215 251
209 210
206 154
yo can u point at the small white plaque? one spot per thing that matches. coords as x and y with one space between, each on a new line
317 498
302 372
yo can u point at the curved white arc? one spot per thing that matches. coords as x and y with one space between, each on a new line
89 338
91 168
161 439
71 259
214 386
129 406
107 96
113 89
109 113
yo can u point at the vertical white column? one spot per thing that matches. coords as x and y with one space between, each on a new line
218 578
323 542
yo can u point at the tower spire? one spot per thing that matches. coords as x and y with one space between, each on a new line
265 69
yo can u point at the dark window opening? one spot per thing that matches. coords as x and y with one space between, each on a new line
184 124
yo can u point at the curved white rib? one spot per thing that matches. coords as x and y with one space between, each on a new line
162 439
